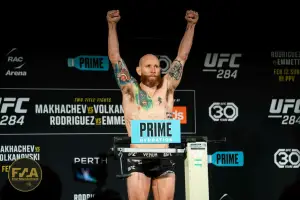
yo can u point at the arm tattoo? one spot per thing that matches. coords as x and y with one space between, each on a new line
122 74
176 70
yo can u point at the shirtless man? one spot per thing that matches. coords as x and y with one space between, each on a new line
153 99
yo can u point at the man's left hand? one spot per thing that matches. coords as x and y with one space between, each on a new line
191 16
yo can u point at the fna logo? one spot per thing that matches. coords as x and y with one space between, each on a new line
25 174
89 63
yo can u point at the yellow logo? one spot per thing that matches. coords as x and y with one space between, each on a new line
25 174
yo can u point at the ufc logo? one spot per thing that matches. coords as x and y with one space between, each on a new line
14 59
13 102
218 60
284 105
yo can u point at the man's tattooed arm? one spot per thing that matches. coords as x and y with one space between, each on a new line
174 74
122 74
120 69
176 70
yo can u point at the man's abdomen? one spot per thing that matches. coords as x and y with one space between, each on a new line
135 112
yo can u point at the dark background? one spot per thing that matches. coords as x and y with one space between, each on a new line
252 28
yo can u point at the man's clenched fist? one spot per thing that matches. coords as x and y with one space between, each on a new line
191 16
113 16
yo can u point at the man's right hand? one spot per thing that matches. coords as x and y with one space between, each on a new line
113 16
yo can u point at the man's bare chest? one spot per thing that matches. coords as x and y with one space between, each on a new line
148 101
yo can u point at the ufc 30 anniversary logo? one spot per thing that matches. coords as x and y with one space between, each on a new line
288 110
25 174
225 65
12 111
287 158
223 111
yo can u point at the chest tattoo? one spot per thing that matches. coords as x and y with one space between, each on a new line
141 98
159 100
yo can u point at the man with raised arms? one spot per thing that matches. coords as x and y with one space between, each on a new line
151 99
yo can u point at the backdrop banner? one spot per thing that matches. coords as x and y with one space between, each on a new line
62 107
78 111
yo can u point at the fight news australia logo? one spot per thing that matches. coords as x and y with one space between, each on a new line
287 110
225 65
15 63
223 111
25 174
89 63
12 111
287 158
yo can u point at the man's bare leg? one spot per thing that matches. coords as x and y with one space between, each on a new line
138 186
164 187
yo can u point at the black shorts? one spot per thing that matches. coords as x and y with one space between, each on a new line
151 167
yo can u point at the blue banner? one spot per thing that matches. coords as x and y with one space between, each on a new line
155 131
89 63
227 159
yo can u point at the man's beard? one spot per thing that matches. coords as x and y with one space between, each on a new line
151 81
